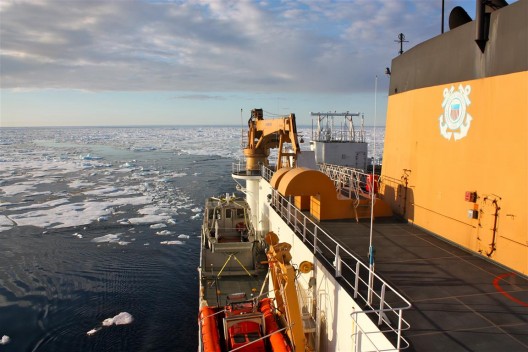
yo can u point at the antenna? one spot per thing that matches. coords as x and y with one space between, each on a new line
443 10
401 40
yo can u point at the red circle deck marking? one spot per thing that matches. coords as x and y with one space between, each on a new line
504 293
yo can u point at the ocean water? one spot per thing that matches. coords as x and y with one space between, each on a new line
99 233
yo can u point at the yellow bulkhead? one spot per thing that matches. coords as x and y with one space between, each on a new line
441 145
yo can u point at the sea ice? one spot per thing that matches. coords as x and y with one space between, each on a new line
17 188
183 236
93 331
110 238
5 221
78 235
157 226
89 157
149 219
122 318
171 242
5 340
51 203
80 183
164 233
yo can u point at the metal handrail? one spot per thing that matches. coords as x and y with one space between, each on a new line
347 178
267 173
339 136
399 345
238 167
348 268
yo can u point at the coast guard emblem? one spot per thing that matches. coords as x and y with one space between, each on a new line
455 121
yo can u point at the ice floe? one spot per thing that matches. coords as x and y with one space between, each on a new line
5 340
148 219
164 233
5 223
110 238
89 157
80 184
122 318
158 226
183 236
93 331
171 242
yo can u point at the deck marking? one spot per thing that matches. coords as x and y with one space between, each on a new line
504 293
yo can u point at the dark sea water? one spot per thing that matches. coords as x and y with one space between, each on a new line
56 286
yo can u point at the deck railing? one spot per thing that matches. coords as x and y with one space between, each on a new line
350 182
368 289
238 167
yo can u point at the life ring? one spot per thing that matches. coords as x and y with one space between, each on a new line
241 227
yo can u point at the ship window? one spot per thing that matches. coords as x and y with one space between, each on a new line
239 338
240 213
228 213
210 214
252 336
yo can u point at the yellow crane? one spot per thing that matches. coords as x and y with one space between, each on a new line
287 302
271 133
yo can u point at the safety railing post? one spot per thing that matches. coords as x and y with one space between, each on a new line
400 318
338 262
296 220
315 239
382 304
304 228
356 281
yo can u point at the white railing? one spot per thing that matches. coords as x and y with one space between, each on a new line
267 173
339 136
238 167
376 296
350 182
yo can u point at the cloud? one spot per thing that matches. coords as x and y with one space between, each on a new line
200 97
204 46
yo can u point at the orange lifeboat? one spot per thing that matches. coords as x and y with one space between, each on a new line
209 329
278 342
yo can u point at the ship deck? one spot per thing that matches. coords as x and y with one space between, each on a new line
460 301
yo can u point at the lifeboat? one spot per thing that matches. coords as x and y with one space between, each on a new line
277 340
209 329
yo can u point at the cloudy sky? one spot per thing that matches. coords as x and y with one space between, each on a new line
125 62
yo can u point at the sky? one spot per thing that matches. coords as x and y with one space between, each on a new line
163 62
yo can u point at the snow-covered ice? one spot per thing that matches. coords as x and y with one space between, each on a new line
110 238
122 318
158 226
5 340
171 242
